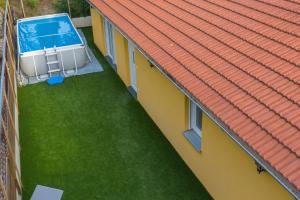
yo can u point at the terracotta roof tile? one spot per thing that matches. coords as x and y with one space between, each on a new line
291 168
240 59
263 149
279 157
285 161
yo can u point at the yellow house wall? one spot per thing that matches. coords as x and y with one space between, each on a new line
122 58
227 172
223 167
98 31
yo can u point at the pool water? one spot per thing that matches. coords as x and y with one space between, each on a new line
46 32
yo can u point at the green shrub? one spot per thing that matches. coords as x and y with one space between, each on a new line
79 8
32 3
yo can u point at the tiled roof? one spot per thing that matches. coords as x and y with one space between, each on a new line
240 59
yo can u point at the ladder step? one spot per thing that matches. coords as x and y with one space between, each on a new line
54 70
51 54
52 62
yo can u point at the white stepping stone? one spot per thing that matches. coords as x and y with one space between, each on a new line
46 193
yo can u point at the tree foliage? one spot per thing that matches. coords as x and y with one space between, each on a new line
32 3
79 8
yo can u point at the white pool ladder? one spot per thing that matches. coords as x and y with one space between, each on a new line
52 61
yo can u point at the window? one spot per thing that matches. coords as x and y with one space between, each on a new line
193 135
109 37
132 66
195 118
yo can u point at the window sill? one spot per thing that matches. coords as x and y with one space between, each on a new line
193 138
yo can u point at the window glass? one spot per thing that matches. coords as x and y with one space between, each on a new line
195 118
198 118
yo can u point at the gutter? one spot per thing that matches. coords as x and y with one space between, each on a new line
274 173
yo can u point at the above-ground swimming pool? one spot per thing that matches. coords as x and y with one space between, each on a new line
50 45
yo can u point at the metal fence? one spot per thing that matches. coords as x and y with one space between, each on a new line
10 177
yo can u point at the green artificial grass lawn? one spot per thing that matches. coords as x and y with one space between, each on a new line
90 138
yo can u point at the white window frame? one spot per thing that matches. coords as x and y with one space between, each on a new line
132 65
109 32
192 118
